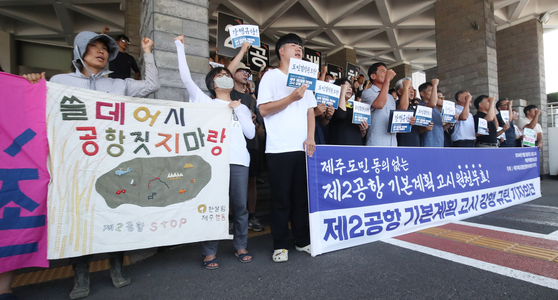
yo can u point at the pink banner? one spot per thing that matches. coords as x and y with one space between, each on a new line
23 174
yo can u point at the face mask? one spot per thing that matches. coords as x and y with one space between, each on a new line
224 82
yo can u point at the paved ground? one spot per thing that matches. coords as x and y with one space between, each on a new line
394 269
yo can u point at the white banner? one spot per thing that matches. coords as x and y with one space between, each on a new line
130 173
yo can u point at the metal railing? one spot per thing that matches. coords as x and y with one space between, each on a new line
552 114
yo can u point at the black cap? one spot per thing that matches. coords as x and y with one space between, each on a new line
290 38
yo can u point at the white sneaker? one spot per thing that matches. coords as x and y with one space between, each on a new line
304 249
280 255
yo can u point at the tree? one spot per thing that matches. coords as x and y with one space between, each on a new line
552 97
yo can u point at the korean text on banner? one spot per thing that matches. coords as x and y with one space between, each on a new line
327 93
423 116
361 112
245 33
399 121
448 111
302 72
359 195
23 174
134 173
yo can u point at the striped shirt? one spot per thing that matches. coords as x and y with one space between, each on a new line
126 87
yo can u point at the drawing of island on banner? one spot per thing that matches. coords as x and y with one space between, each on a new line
245 33
302 72
359 195
132 173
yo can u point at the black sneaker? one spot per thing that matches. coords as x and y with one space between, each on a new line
254 224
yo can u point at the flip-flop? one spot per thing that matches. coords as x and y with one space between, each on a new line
241 257
206 264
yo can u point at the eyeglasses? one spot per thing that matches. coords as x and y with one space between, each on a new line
125 41
244 71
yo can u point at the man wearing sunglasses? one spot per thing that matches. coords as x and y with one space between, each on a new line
121 65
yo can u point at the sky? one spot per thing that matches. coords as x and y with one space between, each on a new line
550 40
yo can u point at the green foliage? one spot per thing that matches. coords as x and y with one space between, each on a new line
552 97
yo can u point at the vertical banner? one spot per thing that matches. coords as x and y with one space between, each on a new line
358 195
134 173
23 174
258 57
313 55
224 41
352 71
335 70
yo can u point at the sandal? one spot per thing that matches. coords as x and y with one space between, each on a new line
241 257
304 249
207 264
280 255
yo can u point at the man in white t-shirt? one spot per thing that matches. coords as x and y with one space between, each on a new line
289 120
531 121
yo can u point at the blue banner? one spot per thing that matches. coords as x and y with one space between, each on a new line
362 194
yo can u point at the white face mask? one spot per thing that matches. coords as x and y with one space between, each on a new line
224 82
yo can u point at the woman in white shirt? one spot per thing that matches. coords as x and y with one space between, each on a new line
220 83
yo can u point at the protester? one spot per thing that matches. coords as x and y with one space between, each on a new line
92 52
220 83
508 128
486 110
404 90
381 104
531 121
342 131
360 81
289 118
393 93
518 133
448 127
434 137
464 130
242 91
121 65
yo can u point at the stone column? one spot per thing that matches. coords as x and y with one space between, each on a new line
431 74
162 21
8 53
132 28
402 71
466 46
342 57
521 72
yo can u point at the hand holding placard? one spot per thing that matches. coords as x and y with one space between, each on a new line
245 33
302 72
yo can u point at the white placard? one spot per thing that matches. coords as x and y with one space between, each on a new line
302 72
483 126
327 93
448 111
245 33
530 137
505 114
423 116
361 111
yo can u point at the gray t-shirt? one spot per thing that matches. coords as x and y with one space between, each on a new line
378 133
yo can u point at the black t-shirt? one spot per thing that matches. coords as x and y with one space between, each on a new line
121 65
246 100
485 139
409 139
342 131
